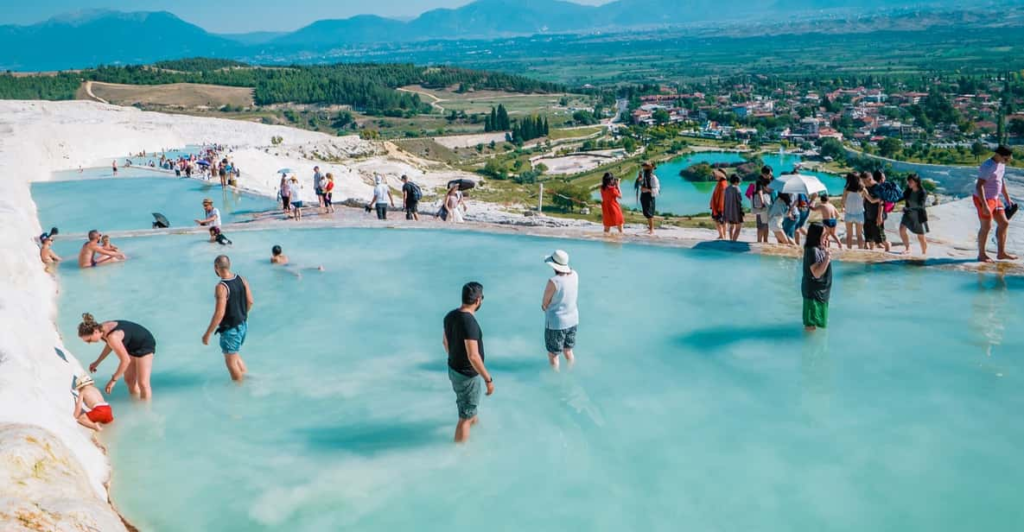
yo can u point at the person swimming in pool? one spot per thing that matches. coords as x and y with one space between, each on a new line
105 242
134 347
277 256
90 409
87 257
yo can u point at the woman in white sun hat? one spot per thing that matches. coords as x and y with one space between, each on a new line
561 315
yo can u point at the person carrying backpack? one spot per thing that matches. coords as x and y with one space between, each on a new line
411 196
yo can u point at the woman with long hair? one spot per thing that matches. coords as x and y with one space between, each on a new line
816 286
777 215
915 216
853 210
133 345
611 212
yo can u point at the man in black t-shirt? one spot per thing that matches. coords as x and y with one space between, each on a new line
464 343
409 199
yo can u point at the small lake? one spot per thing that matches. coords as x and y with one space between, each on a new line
682 197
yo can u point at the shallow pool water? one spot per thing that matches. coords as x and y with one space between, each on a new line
128 203
682 197
697 402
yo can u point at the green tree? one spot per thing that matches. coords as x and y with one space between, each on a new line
978 150
662 117
889 147
1016 127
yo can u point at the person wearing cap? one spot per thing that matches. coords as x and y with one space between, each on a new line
87 255
212 218
561 315
648 187
990 207
91 410
46 253
381 197
464 343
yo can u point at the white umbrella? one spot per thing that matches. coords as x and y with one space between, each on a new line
807 185
285 171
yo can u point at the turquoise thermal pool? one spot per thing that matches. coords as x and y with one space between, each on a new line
123 203
697 402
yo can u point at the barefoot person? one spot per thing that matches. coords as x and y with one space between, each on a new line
853 211
464 342
87 257
816 287
230 313
611 211
561 315
829 218
915 216
717 204
411 195
90 409
134 347
648 187
986 199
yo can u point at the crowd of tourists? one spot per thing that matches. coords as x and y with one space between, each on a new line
867 202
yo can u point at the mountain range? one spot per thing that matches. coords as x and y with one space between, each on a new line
94 37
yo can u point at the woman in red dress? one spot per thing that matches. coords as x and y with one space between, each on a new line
611 213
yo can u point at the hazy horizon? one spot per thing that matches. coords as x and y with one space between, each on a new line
223 16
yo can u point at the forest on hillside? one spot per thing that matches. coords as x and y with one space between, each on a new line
369 88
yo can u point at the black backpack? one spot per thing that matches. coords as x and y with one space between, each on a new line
415 192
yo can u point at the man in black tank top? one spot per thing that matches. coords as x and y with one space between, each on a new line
230 315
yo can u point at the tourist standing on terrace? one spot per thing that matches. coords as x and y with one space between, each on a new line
816 287
285 193
329 193
986 199
759 206
561 314
611 212
777 216
318 188
233 301
718 202
464 343
874 213
411 195
915 216
134 347
853 210
733 208
381 197
829 218
648 187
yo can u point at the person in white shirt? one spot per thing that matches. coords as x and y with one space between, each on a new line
990 206
381 197
561 314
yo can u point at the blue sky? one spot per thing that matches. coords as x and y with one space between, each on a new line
233 16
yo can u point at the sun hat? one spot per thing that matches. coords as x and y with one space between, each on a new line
648 164
207 201
83 381
559 261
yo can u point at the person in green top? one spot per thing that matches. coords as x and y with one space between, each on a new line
817 280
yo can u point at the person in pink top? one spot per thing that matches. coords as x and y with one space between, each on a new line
990 207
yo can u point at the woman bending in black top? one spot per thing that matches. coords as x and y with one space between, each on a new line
134 346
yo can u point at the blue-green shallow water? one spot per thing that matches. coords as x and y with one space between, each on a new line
697 402
682 197
128 203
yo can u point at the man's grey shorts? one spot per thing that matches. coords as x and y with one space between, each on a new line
467 392
559 340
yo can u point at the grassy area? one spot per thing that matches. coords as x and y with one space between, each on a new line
183 95
560 134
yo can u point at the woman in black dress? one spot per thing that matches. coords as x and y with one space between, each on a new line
134 346
915 217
